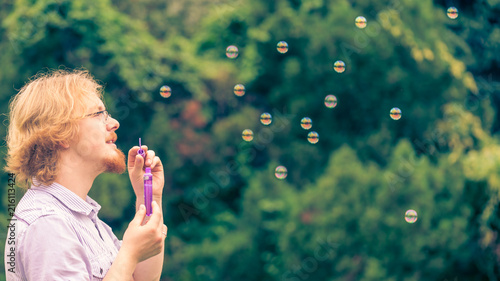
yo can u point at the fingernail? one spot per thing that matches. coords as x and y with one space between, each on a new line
150 161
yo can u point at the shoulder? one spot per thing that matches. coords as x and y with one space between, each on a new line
36 204
39 212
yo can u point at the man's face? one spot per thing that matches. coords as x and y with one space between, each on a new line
96 142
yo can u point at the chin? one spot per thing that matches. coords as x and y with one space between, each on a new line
116 164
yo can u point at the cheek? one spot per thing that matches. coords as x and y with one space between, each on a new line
90 141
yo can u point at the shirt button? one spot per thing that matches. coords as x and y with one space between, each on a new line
101 270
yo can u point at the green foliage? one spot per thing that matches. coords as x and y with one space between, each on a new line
113 190
349 224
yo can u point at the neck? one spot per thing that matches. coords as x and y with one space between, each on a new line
76 176
78 184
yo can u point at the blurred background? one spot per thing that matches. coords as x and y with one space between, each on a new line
373 195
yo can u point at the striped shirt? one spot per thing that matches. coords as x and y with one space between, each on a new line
58 236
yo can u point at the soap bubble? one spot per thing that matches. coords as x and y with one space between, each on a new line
395 113
281 172
165 91
339 66
239 90
452 13
247 135
232 52
330 101
306 123
282 47
313 137
411 216
361 22
266 118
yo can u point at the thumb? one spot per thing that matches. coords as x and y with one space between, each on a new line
139 216
139 162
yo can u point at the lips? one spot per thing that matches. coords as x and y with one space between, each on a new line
112 139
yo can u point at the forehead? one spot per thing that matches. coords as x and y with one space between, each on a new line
97 105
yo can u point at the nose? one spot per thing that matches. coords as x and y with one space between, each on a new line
113 124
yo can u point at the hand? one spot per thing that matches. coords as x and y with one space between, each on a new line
136 171
140 242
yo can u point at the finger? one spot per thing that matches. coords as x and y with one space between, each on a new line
150 155
164 231
138 164
132 154
156 216
139 216
157 163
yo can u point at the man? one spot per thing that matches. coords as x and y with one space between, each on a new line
60 138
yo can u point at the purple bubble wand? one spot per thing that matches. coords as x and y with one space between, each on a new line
148 183
141 152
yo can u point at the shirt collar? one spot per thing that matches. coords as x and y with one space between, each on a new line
68 198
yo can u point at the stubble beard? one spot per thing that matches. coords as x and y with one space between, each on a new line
115 164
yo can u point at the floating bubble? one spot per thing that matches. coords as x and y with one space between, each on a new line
281 172
411 216
266 118
306 123
232 52
339 66
452 13
313 137
165 91
247 135
330 101
361 22
239 90
282 47
395 113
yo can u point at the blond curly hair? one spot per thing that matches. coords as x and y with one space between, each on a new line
43 114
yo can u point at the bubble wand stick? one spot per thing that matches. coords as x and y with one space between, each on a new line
148 183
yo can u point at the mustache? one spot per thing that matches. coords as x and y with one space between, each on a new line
113 137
